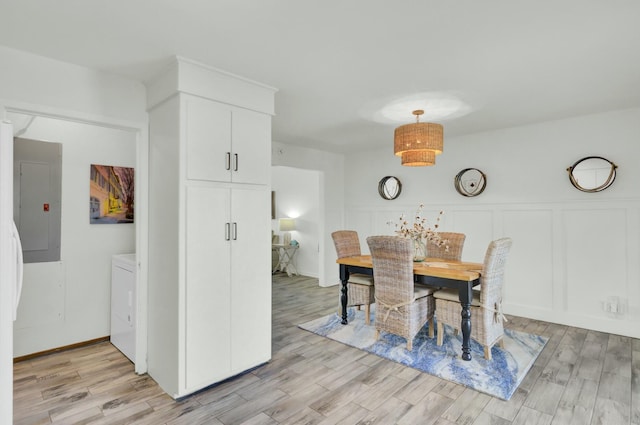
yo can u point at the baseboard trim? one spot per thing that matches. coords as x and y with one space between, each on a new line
59 349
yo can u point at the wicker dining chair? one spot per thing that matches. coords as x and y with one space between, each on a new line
486 306
402 308
360 288
451 250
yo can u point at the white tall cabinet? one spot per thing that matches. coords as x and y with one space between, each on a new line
209 227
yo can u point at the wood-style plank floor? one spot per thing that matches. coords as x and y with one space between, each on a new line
582 377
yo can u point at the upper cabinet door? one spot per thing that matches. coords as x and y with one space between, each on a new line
251 142
226 144
208 140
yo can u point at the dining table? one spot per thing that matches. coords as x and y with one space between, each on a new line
435 272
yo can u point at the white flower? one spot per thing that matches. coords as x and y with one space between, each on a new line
419 229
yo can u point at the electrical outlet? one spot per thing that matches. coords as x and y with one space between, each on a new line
614 306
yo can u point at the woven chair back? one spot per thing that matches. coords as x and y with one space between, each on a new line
492 279
392 258
347 243
452 250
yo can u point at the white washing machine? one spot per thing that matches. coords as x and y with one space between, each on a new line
123 304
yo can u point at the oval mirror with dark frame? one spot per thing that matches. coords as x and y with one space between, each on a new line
592 174
470 182
389 187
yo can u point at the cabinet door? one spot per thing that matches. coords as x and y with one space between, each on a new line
208 139
250 279
207 307
251 146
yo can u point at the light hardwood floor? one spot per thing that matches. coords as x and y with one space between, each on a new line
581 377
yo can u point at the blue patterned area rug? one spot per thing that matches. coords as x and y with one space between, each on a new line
498 377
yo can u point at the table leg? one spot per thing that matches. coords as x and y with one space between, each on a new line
466 295
343 298
344 278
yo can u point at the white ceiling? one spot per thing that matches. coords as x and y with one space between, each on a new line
336 62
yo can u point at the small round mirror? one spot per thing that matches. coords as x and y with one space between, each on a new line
470 182
592 174
389 187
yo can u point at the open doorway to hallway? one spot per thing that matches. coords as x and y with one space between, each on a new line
297 196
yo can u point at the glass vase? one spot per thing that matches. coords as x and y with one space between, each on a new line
419 249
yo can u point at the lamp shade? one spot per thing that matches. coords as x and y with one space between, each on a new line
418 158
417 137
287 224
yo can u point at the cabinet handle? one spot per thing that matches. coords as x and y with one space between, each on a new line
235 160
228 161
227 231
235 231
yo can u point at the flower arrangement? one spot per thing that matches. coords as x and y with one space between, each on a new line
420 233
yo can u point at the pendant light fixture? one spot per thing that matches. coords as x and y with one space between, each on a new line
418 144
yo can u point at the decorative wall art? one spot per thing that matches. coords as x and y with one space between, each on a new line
592 174
111 194
389 187
470 182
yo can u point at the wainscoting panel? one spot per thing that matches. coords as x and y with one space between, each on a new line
571 263
361 222
633 258
478 225
532 251
596 263
384 222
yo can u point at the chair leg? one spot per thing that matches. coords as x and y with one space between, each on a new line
501 343
377 335
431 330
455 331
487 352
440 333
409 344
367 312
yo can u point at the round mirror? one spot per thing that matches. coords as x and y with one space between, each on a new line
470 182
389 187
592 174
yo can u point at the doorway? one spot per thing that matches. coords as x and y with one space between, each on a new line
68 301
297 196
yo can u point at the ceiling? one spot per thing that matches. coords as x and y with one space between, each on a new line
336 63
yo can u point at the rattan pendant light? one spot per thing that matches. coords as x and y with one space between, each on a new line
418 158
418 144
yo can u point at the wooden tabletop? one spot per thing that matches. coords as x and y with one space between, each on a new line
437 267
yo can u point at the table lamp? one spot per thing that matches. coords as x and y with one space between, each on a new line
286 225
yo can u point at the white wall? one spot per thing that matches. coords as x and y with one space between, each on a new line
27 79
331 167
298 196
51 88
572 250
69 301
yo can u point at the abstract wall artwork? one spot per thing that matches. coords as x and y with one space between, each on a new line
111 194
